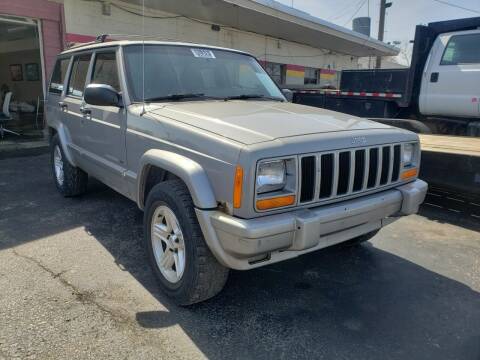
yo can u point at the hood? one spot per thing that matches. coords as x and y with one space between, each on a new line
251 122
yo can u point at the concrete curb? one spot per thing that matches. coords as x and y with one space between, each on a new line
31 148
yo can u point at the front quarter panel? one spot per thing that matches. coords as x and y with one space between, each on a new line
216 156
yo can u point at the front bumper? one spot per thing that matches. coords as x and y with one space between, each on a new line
248 243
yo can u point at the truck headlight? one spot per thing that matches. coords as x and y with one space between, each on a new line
408 154
271 176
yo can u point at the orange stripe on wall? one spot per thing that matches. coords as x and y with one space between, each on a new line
295 73
327 76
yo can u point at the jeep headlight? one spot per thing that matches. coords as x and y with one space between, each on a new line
271 176
408 154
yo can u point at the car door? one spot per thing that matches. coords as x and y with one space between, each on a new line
451 83
54 104
71 105
105 125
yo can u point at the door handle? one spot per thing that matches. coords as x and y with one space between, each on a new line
434 77
85 111
63 106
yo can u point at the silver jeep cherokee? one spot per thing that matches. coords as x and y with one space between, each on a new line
229 174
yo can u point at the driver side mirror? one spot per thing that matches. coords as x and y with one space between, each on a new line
102 95
288 94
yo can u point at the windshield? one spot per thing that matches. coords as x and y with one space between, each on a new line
182 72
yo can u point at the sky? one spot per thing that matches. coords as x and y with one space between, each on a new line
401 18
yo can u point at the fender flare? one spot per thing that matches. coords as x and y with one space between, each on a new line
189 171
62 134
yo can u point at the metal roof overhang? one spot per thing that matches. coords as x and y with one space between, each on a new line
271 18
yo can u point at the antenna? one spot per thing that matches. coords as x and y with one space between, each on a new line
143 58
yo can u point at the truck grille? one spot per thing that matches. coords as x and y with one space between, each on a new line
330 175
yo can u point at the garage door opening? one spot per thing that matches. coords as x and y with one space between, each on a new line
21 75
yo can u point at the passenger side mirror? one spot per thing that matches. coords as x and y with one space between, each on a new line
102 95
288 94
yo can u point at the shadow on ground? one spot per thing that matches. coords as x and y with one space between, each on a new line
445 206
340 303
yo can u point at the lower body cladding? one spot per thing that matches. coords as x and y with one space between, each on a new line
243 244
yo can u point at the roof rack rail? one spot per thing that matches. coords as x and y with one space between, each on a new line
101 38
98 40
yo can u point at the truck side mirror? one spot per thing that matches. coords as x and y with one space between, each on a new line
102 95
288 94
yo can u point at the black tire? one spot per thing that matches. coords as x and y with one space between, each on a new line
74 179
361 239
203 277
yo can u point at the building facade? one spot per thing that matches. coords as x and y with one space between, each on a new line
294 47
290 63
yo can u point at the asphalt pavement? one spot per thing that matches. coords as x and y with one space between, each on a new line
75 284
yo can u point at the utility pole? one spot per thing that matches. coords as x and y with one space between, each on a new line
381 27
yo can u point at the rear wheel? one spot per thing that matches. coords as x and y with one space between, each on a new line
70 180
185 268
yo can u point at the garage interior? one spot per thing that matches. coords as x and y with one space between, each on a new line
21 75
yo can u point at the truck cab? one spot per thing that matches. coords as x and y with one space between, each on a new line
451 77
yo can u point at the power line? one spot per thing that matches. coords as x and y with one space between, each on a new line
457 6
356 12
344 11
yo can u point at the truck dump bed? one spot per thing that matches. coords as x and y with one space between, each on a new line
451 162
375 80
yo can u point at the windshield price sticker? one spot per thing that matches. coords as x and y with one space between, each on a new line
203 53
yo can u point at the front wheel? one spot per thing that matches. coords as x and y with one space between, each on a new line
185 268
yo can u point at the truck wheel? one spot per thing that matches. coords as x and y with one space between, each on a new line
185 268
361 239
70 180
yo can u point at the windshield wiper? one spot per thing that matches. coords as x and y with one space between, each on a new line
253 96
177 97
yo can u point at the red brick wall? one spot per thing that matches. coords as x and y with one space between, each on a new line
51 16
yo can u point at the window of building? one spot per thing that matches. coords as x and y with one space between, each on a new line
78 75
276 72
58 76
311 76
105 70
462 49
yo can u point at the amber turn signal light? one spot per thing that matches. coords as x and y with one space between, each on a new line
277 202
237 187
409 174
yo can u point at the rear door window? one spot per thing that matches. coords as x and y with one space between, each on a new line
78 75
105 70
462 49
58 76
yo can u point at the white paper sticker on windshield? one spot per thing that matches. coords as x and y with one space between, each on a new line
203 53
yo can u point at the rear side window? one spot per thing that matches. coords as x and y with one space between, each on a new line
58 76
78 75
462 49
105 70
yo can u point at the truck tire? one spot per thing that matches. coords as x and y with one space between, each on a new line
69 180
361 239
185 268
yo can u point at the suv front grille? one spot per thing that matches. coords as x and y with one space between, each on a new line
330 175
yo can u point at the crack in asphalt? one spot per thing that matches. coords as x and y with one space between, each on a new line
81 296
87 298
